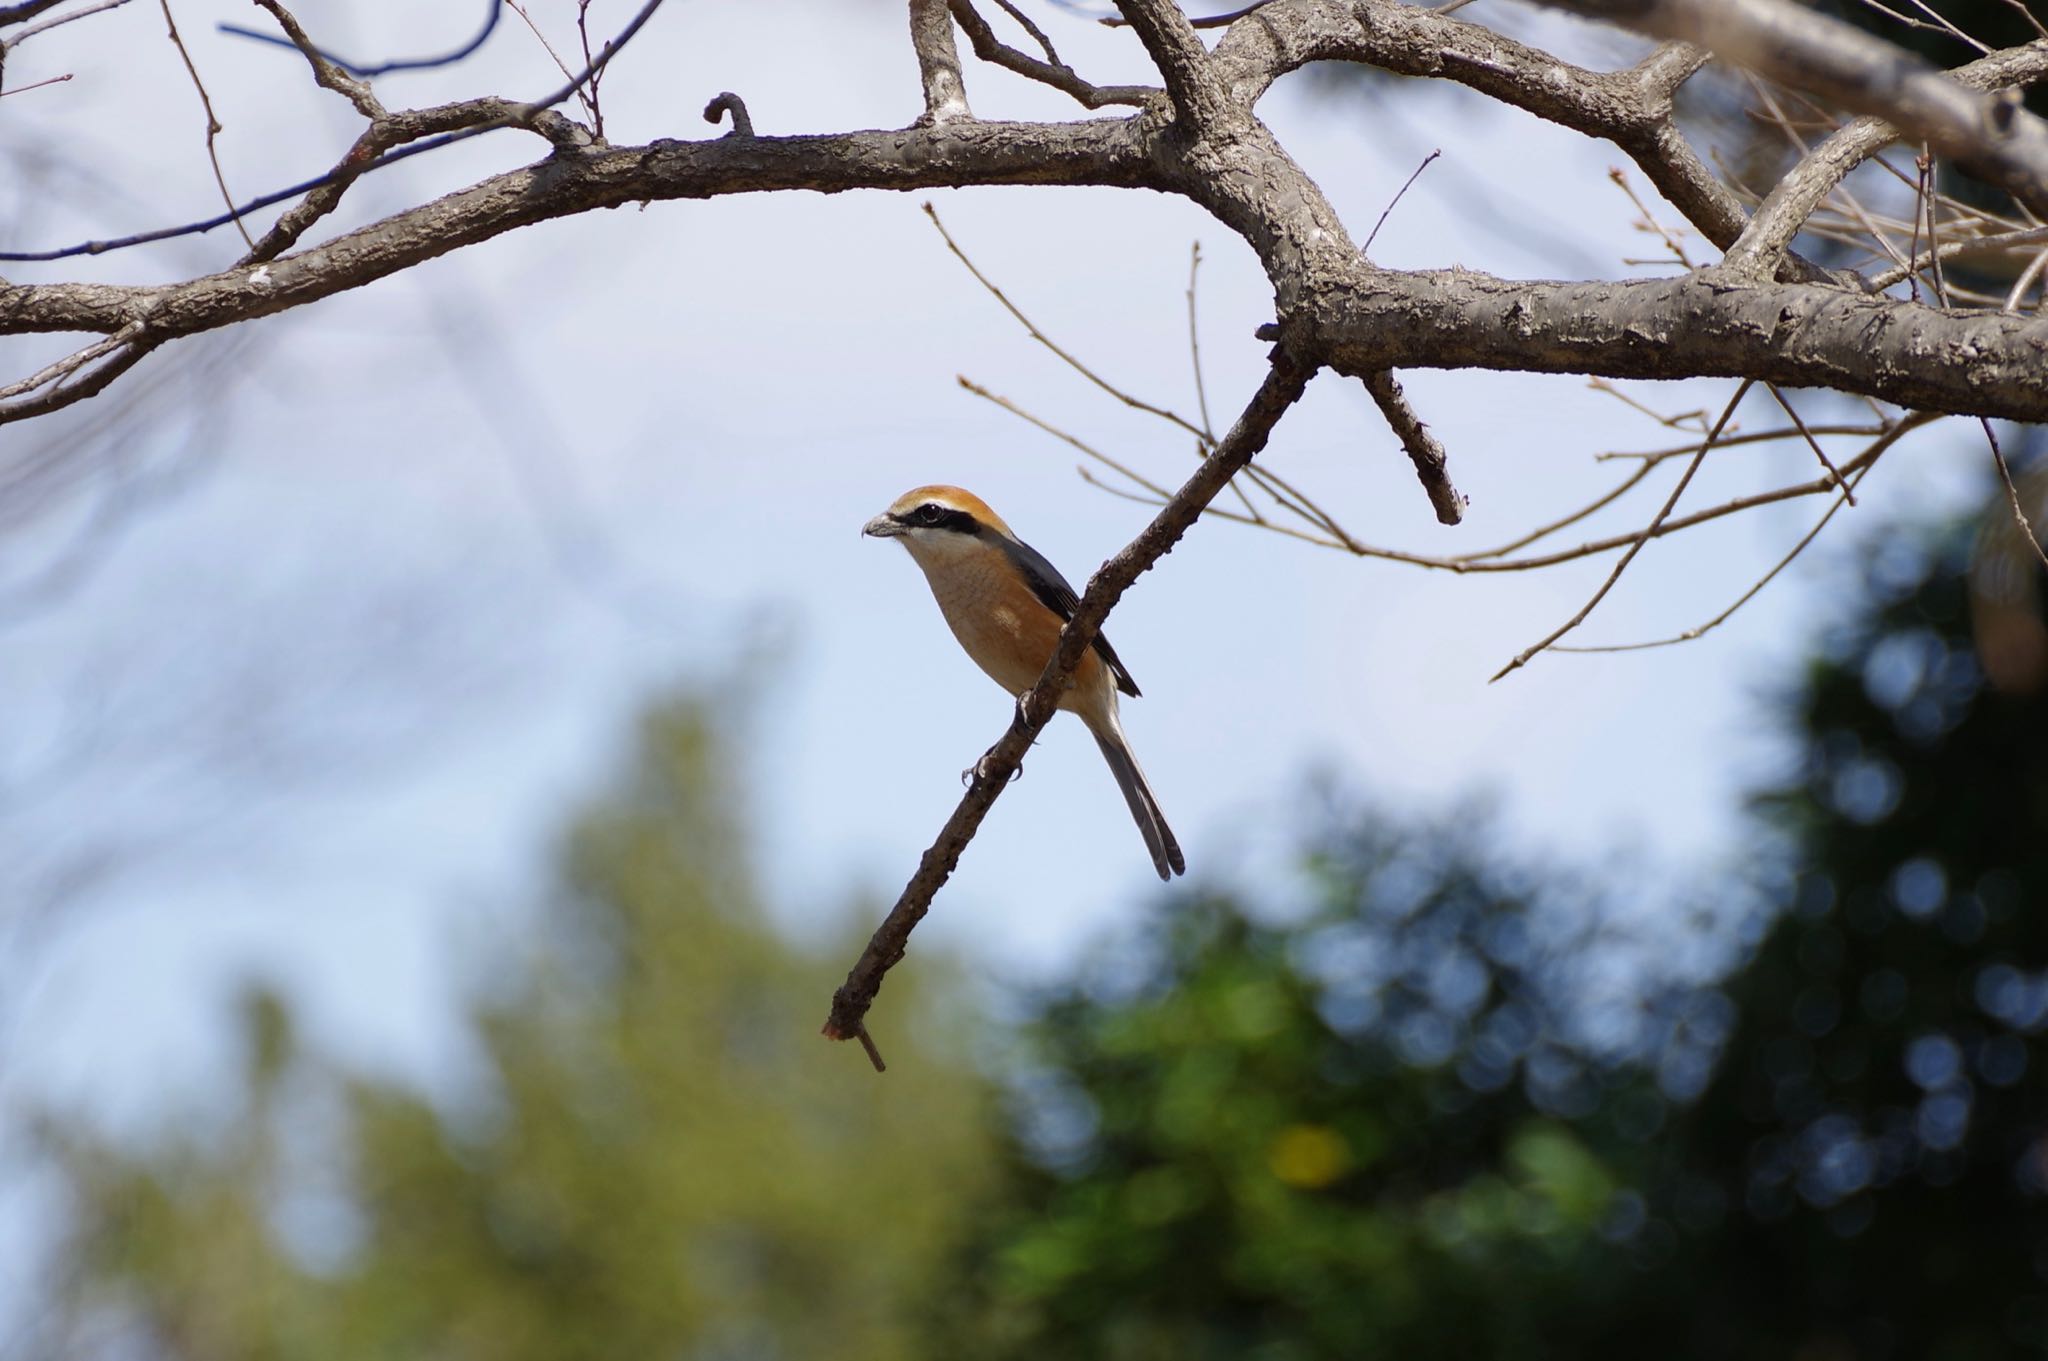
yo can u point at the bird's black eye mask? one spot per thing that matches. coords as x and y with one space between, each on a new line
932 515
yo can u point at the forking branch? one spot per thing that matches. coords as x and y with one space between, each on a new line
1912 335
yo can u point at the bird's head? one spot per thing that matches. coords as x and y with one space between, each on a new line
933 519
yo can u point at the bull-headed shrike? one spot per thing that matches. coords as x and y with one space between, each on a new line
1006 604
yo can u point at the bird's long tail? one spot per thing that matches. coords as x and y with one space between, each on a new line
1166 856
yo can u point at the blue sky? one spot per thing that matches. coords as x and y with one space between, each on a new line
319 707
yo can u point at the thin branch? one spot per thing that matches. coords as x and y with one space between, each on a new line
1811 442
1372 235
2012 492
2025 280
1205 21
519 9
492 13
35 85
1728 440
28 9
1051 71
68 391
1042 338
1137 478
63 368
1542 532
1037 34
1643 537
1756 587
1969 245
1927 199
212 121
1807 185
1195 343
589 96
1912 422
55 21
534 116
1283 386
1804 49
327 73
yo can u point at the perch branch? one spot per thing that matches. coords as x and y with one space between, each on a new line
1283 385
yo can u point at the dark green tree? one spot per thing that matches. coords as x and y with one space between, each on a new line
668 1161
1869 1167
1380 1125
1451 1108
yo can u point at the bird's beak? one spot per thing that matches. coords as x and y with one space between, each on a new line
883 526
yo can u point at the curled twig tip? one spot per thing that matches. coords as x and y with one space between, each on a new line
726 102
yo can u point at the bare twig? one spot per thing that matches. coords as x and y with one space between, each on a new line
1283 385
1650 222
1139 479
1042 338
1969 245
327 73
1195 342
2025 280
1052 71
491 15
54 21
478 117
519 9
1037 34
1807 50
1800 192
726 102
28 9
1643 537
63 368
2012 492
1912 422
212 121
590 96
1729 441
1396 199
1205 21
1811 442
35 85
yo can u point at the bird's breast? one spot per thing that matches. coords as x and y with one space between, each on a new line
1000 623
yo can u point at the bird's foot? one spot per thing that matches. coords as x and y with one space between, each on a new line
980 770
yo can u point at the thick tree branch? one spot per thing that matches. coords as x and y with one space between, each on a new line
1696 325
1337 308
570 182
1176 49
1631 108
938 63
1806 186
1993 138
1282 387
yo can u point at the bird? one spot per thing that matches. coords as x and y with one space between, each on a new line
1006 605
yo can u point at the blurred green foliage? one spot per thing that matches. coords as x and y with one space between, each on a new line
1425 1100
668 1160
1445 1107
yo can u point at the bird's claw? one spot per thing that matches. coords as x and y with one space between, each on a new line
980 770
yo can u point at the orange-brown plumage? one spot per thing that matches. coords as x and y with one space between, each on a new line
1006 606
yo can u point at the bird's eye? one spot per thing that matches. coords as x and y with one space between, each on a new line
929 513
